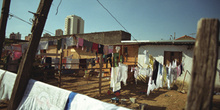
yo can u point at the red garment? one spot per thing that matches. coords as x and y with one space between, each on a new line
16 55
98 60
95 47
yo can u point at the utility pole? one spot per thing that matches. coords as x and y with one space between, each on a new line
3 22
26 64
205 59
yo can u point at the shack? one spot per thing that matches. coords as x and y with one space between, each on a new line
180 49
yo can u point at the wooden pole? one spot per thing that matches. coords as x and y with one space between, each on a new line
26 64
135 60
100 75
201 88
3 22
122 53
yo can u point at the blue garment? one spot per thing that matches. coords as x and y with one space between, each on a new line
70 99
160 68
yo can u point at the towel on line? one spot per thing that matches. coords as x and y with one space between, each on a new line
7 80
42 96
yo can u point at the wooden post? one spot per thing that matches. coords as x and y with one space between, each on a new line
26 64
100 75
201 88
3 22
122 53
113 60
135 60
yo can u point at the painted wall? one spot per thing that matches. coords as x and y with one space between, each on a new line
157 51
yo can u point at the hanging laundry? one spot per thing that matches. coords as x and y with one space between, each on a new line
7 80
155 71
43 45
42 96
122 73
181 67
169 67
80 42
70 41
95 47
16 55
142 75
69 100
116 58
173 71
164 75
117 48
59 44
85 43
178 68
151 61
151 85
114 84
100 49
136 72
121 58
88 45
110 49
159 76
146 59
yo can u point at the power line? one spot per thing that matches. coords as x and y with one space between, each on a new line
115 19
13 15
119 24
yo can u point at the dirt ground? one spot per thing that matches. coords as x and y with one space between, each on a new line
161 99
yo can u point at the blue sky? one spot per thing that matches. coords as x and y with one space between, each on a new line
144 19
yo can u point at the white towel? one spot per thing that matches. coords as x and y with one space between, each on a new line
41 96
43 45
123 73
6 84
70 41
114 75
83 102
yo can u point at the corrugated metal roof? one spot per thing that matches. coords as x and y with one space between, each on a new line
161 42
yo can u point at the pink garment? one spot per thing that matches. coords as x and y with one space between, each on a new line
17 55
110 49
178 70
80 41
